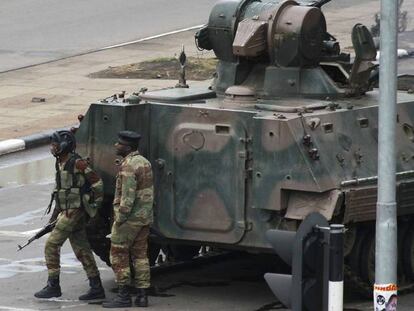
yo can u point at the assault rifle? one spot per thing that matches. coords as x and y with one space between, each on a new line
46 229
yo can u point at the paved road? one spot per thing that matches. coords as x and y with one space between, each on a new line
227 285
234 283
34 31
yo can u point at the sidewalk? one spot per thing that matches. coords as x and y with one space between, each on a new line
67 89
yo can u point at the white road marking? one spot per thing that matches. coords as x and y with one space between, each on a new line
21 219
150 38
6 308
68 263
19 234
104 48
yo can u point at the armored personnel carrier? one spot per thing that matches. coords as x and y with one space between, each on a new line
289 126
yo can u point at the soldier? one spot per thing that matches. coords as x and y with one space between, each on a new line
78 190
132 219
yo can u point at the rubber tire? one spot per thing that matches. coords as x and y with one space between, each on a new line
101 247
97 229
408 254
403 229
354 258
153 252
367 263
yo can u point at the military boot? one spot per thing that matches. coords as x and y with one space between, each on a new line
52 289
142 298
96 291
122 300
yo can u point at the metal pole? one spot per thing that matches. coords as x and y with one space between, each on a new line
386 223
336 268
325 237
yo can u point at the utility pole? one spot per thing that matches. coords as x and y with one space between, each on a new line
386 224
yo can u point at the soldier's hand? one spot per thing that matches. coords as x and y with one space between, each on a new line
120 219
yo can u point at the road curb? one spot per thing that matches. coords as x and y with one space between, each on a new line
107 48
26 142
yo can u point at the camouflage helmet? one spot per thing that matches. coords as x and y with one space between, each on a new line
65 140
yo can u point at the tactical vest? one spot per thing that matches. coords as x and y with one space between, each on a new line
71 186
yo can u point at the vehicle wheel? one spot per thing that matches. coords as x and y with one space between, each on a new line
183 252
101 246
153 252
97 230
368 258
403 229
354 257
408 254
350 240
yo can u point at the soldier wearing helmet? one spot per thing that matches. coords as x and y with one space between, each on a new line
78 190
133 216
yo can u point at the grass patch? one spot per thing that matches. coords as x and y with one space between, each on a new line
161 68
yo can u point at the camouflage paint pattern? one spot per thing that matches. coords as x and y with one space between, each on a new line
69 196
71 216
134 191
70 225
225 173
133 214
95 140
227 169
93 201
130 242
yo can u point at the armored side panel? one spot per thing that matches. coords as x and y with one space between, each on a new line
289 126
225 172
98 134
200 157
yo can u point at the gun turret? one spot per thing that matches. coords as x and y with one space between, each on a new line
282 49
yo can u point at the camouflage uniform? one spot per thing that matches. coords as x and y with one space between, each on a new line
133 216
71 216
